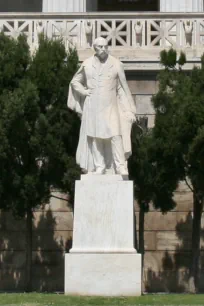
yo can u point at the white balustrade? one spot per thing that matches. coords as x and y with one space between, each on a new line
139 31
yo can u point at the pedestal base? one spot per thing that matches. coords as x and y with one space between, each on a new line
103 260
103 274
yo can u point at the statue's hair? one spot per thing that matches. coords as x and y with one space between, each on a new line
98 39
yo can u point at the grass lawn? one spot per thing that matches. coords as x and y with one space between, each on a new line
37 299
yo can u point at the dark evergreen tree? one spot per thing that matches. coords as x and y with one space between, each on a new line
38 133
148 187
179 140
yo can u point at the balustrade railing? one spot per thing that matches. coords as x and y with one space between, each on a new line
123 30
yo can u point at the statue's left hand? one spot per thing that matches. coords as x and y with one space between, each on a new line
130 116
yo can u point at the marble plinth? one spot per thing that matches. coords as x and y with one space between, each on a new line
103 260
103 215
103 274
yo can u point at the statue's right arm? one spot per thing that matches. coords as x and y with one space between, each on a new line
78 82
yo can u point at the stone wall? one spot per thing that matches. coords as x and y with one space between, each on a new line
143 85
168 245
52 236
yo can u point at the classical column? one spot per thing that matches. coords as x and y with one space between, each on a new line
197 5
61 6
181 6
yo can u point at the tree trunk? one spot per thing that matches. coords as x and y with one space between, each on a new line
195 251
135 232
29 236
141 235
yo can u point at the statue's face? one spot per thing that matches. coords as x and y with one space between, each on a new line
101 49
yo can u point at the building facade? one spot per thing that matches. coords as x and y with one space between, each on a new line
101 5
137 30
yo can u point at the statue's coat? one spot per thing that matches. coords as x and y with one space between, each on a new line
103 111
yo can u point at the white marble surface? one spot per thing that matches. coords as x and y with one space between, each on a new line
103 216
99 93
181 6
103 274
110 177
64 6
103 260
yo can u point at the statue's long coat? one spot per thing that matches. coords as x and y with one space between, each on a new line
102 111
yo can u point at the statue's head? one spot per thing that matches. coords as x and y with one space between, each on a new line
101 47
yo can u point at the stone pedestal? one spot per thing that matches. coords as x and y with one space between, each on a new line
103 260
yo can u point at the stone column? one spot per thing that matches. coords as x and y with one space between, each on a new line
64 6
197 5
181 6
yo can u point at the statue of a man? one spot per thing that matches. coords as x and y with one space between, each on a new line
100 94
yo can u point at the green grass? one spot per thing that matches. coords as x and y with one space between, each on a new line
37 299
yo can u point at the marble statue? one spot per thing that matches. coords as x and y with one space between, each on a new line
99 93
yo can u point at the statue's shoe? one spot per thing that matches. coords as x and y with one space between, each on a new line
99 171
122 171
